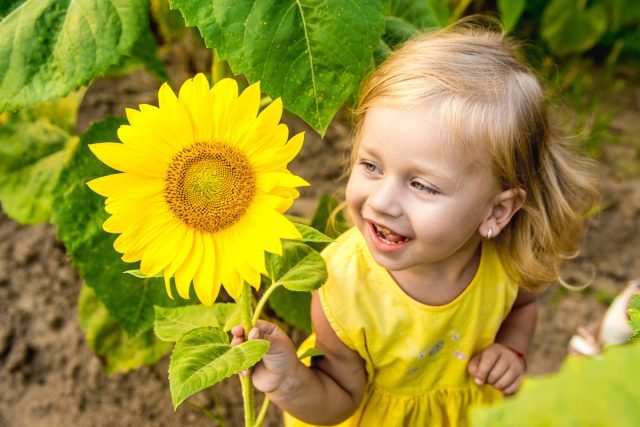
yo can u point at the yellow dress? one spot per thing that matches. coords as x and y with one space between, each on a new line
416 355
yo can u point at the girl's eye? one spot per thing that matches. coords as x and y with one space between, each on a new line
421 187
369 167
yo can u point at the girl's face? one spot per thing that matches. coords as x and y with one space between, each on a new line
418 200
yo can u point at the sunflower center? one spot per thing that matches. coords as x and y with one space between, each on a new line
210 185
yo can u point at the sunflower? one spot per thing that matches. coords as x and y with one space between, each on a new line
203 186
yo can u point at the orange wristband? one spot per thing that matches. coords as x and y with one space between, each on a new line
520 354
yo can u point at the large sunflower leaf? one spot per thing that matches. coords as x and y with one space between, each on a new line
311 235
510 12
35 143
311 53
79 214
586 392
300 268
171 323
329 218
120 351
570 27
49 47
293 307
204 357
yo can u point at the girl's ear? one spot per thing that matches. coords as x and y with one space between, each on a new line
505 205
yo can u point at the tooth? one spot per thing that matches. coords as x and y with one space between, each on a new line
385 230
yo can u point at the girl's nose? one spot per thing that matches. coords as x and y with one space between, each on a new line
385 199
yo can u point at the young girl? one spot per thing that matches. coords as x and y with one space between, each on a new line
464 203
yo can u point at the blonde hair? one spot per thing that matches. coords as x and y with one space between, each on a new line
491 100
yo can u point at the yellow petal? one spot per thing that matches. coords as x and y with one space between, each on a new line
244 245
244 113
206 281
186 272
139 234
266 241
184 241
124 159
126 186
270 180
224 94
167 284
278 225
196 100
262 127
146 140
166 97
232 282
159 251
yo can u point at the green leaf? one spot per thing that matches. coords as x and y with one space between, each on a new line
171 323
310 234
50 47
311 53
300 268
586 392
119 351
417 13
292 307
328 218
440 10
397 31
144 54
634 316
510 11
203 357
568 28
79 214
35 144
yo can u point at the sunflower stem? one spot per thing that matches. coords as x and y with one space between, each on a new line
219 69
263 412
262 302
246 316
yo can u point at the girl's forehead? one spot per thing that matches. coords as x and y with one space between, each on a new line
413 128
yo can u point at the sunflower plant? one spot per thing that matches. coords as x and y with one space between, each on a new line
199 198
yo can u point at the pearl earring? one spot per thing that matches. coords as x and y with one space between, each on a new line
489 233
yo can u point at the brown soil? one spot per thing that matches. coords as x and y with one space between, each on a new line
49 377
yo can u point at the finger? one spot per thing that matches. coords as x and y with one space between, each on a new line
472 368
268 328
254 334
507 379
513 387
497 372
485 364
237 331
236 341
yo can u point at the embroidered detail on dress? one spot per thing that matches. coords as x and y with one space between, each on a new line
436 348
460 355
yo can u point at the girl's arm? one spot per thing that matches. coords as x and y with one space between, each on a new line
502 364
328 392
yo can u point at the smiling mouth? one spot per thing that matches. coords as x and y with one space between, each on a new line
387 236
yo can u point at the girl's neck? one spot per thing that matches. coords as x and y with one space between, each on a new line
441 283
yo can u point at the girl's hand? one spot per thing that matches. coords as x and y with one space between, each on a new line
499 366
270 373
